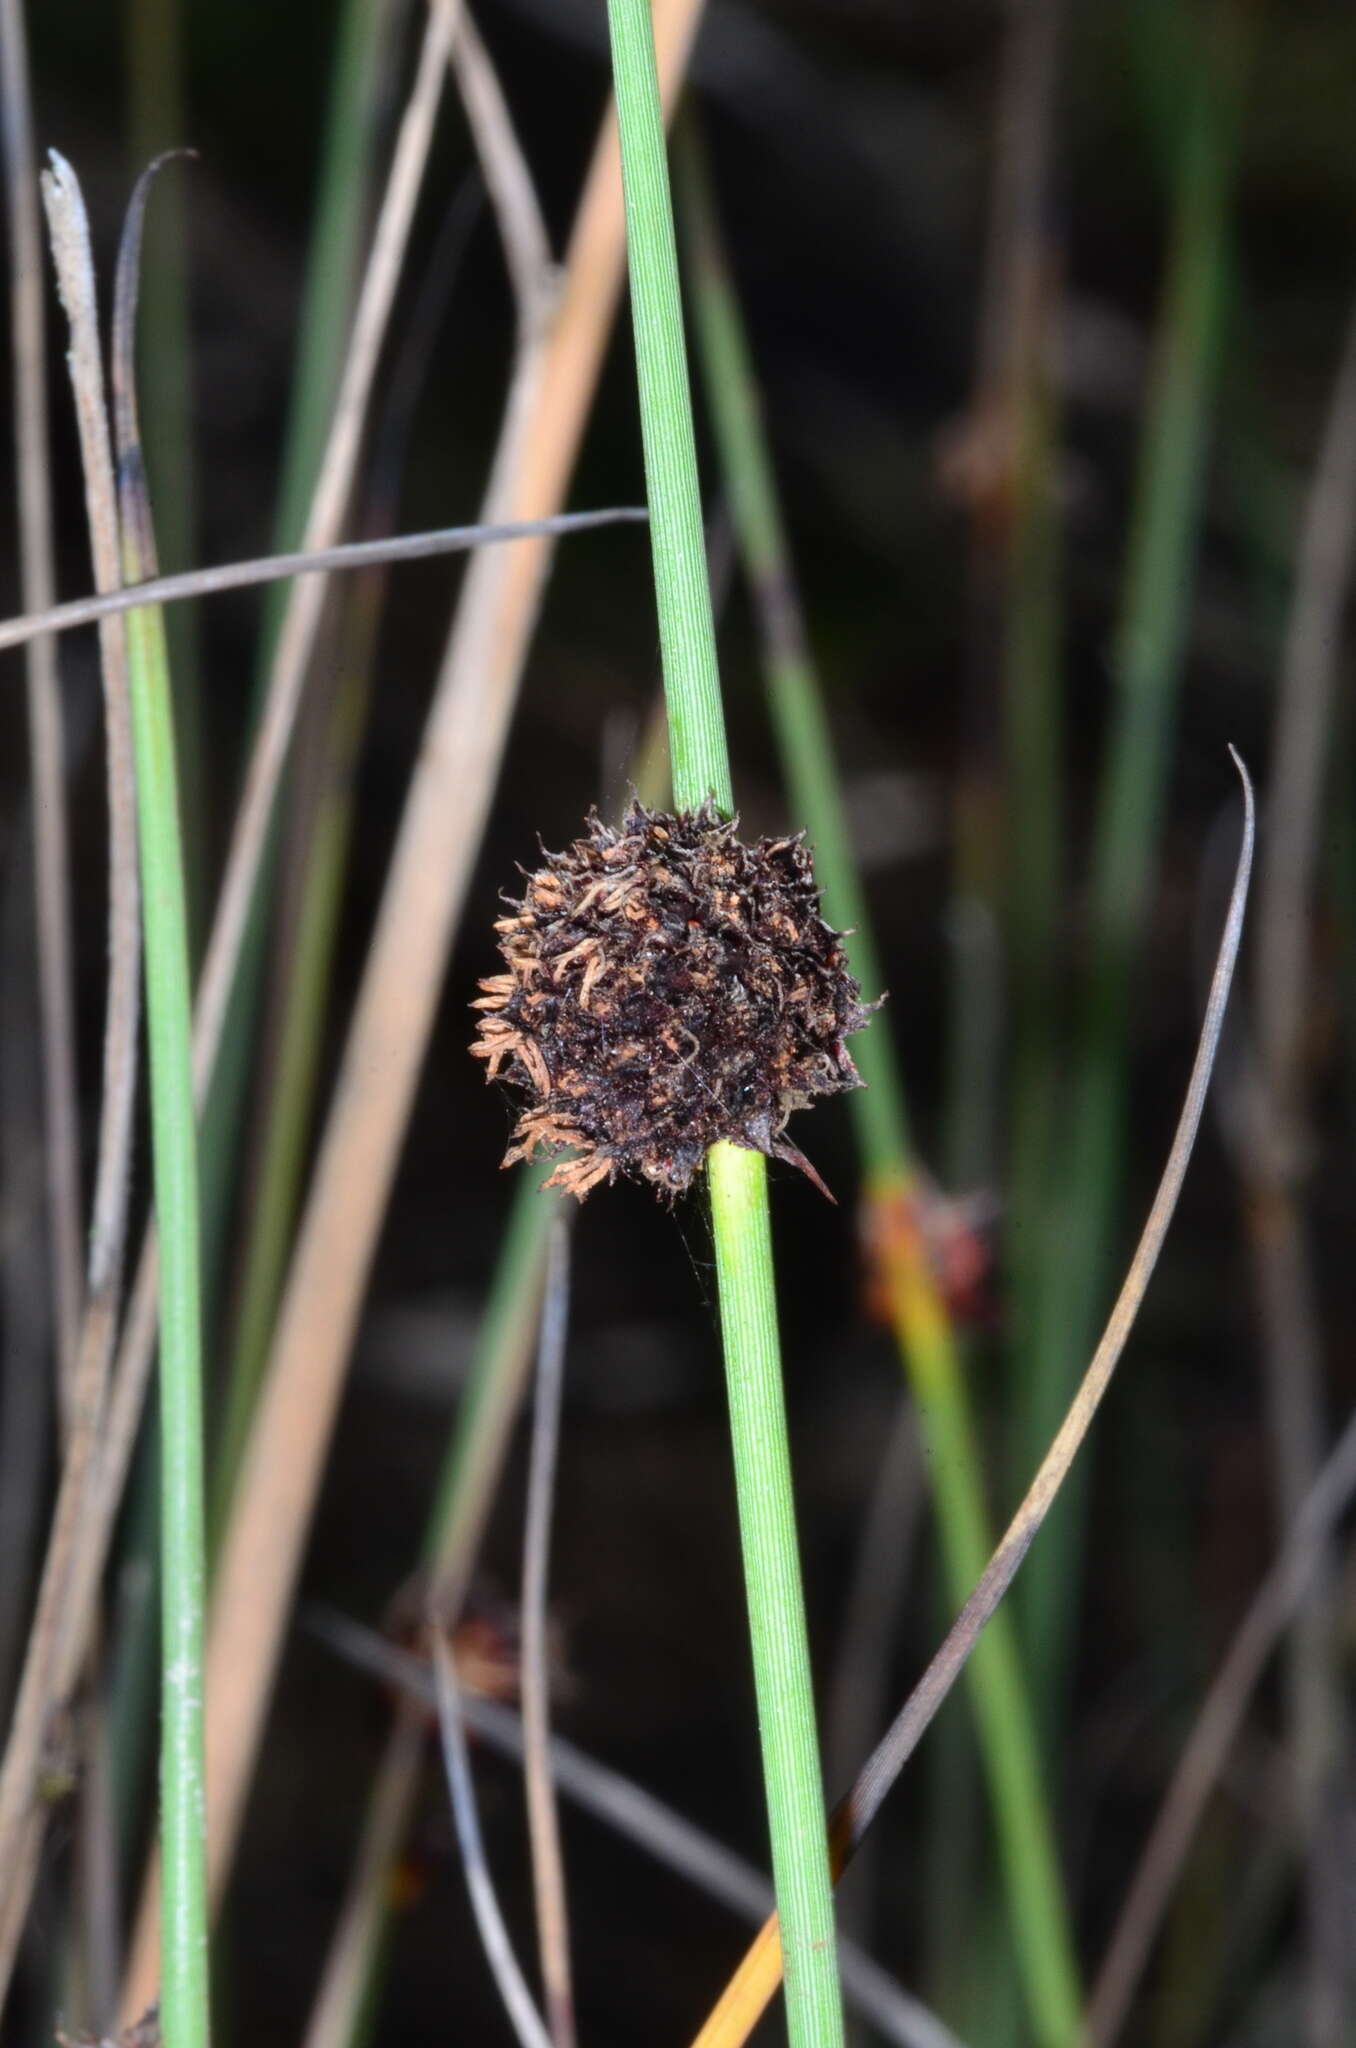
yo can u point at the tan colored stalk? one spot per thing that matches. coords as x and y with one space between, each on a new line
51 863
48 1673
444 816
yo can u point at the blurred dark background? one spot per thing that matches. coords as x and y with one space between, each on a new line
853 149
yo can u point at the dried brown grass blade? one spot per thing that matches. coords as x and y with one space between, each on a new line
48 1672
51 866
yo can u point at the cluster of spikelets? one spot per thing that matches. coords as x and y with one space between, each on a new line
667 987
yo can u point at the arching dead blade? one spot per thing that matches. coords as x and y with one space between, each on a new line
782 1148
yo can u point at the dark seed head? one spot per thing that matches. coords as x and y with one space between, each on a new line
667 987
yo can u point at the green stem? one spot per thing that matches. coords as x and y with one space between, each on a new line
156 121
687 638
794 695
331 272
183 1995
737 1178
1147 664
315 867
1033 721
748 1315
926 1341
313 932
492 1398
183 1942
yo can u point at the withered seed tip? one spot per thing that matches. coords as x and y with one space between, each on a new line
667 986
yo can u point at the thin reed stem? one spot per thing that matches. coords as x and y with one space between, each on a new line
315 861
1273 1167
338 258
687 638
494 1935
636 1815
183 1952
26 1406
922 1329
49 1669
158 119
230 938
1018 383
737 1178
548 1867
333 266
794 1791
46 746
1146 664
328 507
1213 1732
430 869
746 1996
488 1409
351 555
794 696
296 640
472 1465
97 1857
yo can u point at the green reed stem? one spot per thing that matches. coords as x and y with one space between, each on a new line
184 2014
926 1341
736 1177
1033 721
492 1397
794 695
331 268
157 121
795 1801
1147 662
296 1065
331 273
687 638
183 1993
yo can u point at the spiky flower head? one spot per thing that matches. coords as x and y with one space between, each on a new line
667 987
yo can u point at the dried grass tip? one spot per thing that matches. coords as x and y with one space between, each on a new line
667 987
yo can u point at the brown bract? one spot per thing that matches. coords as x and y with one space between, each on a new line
667 987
